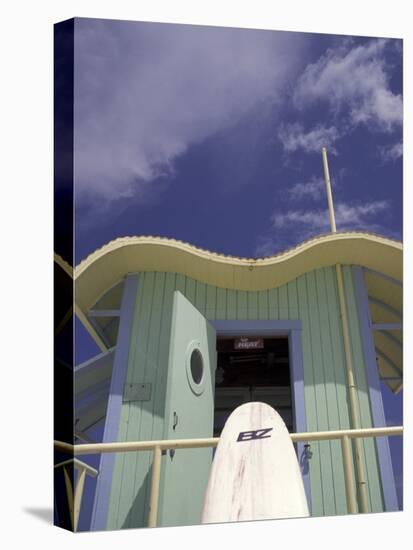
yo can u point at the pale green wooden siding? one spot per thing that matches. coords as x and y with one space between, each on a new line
313 299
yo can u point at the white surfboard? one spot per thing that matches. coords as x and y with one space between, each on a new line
255 473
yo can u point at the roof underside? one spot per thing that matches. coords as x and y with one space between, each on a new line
386 309
92 385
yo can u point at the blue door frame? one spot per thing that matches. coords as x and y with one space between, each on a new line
291 329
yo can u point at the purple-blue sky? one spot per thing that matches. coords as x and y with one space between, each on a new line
213 136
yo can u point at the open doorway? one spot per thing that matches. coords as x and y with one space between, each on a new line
252 369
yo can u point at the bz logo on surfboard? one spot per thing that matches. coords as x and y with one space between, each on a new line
254 434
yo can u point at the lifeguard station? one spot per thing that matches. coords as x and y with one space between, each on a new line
187 335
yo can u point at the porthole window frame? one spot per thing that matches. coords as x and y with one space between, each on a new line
197 388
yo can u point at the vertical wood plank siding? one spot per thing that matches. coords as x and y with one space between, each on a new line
312 298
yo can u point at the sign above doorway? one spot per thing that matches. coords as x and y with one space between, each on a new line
248 343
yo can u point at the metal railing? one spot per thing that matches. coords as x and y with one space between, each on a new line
345 436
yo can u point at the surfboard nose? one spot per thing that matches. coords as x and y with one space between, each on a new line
255 472
253 414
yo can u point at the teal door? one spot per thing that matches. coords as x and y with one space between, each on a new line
189 413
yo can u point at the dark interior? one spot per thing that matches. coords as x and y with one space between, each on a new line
258 372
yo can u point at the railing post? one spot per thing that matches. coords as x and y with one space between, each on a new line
69 492
348 475
154 494
78 496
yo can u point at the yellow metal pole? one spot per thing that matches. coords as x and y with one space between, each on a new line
88 326
63 321
348 475
78 464
78 496
354 410
352 390
352 434
329 194
154 495
133 446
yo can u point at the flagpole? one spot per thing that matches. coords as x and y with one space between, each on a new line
351 380
329 194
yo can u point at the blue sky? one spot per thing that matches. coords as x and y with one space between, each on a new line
213 136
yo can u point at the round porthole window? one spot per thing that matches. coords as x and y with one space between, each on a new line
195 367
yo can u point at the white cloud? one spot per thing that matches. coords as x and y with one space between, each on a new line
354 80
394 152
359 215
294 226
313 189
294 138
356 216
145 92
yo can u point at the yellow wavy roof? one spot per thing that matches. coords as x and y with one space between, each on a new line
109 264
